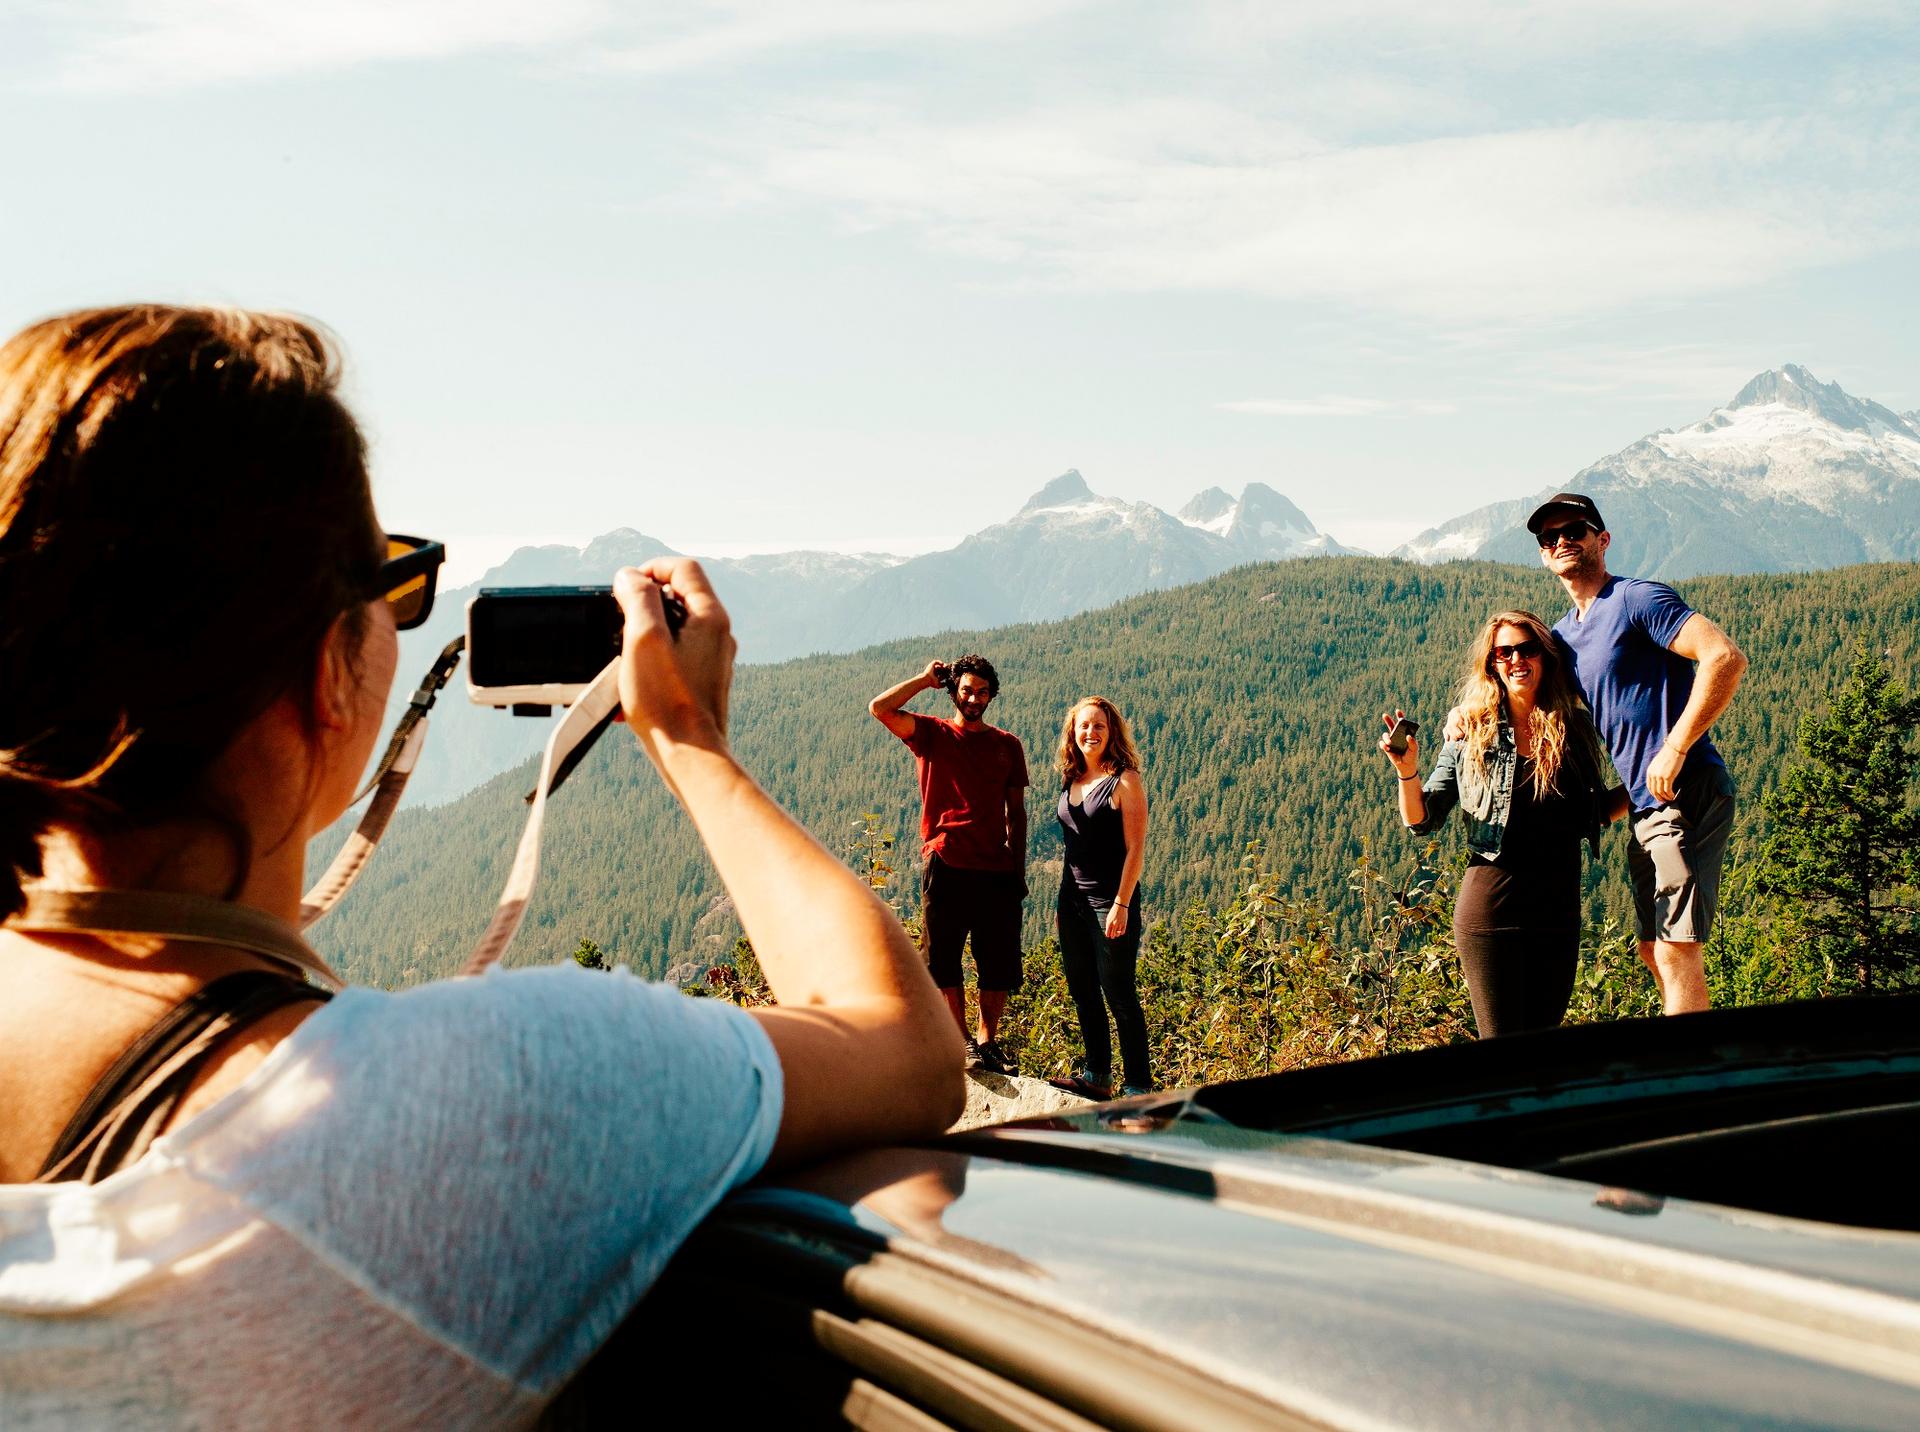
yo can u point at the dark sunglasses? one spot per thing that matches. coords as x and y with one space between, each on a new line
1572 532
1528 648
407 578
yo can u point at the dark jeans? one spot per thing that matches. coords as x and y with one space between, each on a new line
1095 966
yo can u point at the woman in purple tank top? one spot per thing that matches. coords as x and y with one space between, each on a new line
1103 821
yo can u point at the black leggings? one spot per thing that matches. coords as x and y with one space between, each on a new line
1095 966
1519 979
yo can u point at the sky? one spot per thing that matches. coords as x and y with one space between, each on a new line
864 274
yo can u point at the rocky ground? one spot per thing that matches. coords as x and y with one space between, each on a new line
996 1098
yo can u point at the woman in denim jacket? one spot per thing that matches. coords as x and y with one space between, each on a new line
1527 774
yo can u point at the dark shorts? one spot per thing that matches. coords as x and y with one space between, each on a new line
1676 855
985 904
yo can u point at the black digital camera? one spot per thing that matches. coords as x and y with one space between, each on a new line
534 648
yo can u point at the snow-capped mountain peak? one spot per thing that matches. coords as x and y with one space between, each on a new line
1211 511
1067 490
1794 387
1792 474
1260 524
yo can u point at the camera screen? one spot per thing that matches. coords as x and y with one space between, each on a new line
542 635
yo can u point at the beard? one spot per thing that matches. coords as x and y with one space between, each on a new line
1589 563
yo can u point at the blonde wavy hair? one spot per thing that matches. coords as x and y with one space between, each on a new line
1120 755
1557 736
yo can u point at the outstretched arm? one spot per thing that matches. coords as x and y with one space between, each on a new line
867 1049
885 707
1721 664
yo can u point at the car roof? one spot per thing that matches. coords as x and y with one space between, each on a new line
1356 1284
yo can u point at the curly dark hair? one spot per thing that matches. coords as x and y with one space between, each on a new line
973 664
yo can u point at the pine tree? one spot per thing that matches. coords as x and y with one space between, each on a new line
1845 842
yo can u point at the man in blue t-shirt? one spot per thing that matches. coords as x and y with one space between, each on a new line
1656 675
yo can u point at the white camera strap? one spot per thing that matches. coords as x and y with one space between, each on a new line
582 724
585 719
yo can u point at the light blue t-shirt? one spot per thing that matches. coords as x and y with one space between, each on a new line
482 1174
1635 687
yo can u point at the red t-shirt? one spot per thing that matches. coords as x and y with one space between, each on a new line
967 773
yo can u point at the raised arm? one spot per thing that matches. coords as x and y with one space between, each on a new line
867 1049
1719 666
1406 765
885 708
1131 792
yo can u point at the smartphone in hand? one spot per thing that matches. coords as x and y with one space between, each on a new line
1397 737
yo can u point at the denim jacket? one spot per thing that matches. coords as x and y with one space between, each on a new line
1487 798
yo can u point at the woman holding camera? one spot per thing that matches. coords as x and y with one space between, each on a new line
1526 774
1103 824
228 1194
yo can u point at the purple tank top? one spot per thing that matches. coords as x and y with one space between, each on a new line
1096 842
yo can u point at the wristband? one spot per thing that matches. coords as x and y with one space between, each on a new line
1414 777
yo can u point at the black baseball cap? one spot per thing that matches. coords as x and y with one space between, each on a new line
1566 504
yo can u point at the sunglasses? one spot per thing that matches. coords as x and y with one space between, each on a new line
1529 649
407 578
1572 532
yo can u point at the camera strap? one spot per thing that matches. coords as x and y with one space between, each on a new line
573 736
389 780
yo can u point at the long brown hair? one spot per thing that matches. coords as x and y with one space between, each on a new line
1120 753
1559 735
184 514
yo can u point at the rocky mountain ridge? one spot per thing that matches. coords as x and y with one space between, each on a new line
1068 549
1792 474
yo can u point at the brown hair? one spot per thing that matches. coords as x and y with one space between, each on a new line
1120 754
183 515
1557 736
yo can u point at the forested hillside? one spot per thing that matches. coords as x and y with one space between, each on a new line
1255 698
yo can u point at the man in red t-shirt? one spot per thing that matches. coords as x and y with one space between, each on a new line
973 833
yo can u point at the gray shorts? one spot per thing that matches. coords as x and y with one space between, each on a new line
1676 854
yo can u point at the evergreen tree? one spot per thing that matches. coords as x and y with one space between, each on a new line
1845 842
590 956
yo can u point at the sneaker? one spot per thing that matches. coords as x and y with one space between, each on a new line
973 1059
1128 1091
1085 1085
994 1059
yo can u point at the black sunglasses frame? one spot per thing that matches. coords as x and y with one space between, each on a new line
1504 655
1552 536
423 561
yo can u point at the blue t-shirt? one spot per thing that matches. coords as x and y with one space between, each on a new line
1634 685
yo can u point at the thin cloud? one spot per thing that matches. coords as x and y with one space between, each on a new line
147 45
1332 406
700 36
1507 226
